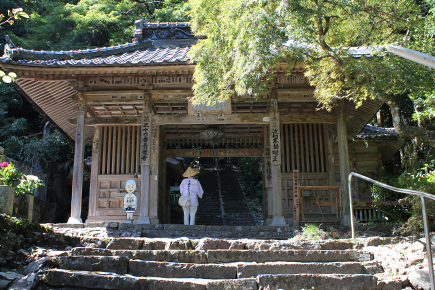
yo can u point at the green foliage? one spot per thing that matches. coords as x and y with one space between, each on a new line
28 185
311 232
72 25
421 181
247 39
11 176
24 184
397 213
12 15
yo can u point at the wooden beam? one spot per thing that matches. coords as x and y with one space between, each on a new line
256 118
104 121
308 119
196 136
112 92
240 152
296 95
91 72
114 96
209 119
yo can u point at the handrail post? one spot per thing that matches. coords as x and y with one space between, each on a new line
428 243
352 217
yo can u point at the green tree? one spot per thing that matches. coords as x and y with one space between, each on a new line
12 15
72 24
247 39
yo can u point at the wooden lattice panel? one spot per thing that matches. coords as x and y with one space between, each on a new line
116 109
120 149
304 148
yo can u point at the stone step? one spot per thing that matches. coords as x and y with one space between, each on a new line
317 282
86 280
231 256
123 265
221 235
222 244
168 227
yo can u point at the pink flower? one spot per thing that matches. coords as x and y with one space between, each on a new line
4 164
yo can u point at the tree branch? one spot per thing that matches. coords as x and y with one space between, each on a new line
401 127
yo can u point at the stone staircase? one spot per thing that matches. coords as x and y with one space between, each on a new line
209 210
236 210
202 231
235 206
143 263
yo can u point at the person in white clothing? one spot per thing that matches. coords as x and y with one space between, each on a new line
191 187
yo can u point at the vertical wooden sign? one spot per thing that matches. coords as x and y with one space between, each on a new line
145 163
275 139
145 134
295 198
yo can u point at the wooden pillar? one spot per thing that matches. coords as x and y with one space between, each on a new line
93 190
144 217
77 186
267 173
154 174
275 143
343 154
331 163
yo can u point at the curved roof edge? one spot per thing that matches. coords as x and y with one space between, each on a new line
14 53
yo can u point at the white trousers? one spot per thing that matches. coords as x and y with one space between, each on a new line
189 211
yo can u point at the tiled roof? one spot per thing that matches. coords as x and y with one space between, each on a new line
15 53
150 56
154 44
373 132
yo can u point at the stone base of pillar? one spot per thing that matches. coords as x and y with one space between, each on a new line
75 220
278 221
130 222
143 220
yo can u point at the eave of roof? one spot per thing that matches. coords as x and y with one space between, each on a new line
370 132
133 55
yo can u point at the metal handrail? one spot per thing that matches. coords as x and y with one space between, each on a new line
407 191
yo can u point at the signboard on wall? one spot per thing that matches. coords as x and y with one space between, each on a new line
213 109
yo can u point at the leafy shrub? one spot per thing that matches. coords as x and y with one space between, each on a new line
24 184
311 232
421 181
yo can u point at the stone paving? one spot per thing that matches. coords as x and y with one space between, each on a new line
395 262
